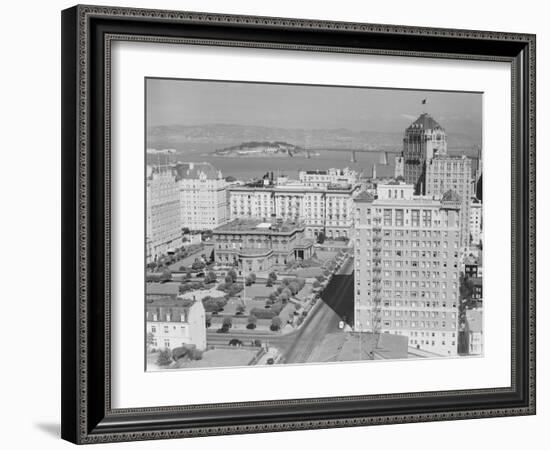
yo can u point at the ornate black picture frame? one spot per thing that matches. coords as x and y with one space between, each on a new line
87 35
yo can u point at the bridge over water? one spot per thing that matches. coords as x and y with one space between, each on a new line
384 154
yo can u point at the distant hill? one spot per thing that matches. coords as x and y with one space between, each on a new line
227 135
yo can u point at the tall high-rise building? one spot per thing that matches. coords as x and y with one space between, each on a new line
423 140
407 271
162 212
203 196
444 173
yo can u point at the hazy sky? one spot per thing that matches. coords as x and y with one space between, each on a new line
191 102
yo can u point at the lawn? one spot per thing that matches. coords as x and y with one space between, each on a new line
219 357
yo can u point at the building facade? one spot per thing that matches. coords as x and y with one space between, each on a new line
202 196
325 178
162 212
258 246
322 210
399 170
444 173
423 140
407 270
476 222
172 322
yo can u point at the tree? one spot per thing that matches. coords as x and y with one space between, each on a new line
276 323
185 287
210 277
269 282
272 276
241 309
227 322
316 284
232 276
321 238
252 321
164 358
198 265
250 279
320 278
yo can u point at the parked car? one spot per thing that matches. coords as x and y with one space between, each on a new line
270 361
223 329
235 342
341 325
200 274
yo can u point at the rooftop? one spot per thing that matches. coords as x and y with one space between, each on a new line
193 170
451 196
257 226
176 308
425 122
364 197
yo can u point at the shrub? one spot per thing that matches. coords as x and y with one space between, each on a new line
210 277
164 358
273 276
261 313
269 283
234 289
250 326
232 276
316 284
276 323
320 278
196 354
227 322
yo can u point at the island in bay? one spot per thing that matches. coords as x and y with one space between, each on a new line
263 148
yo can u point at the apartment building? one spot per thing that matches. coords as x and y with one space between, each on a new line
162 212
444 173
407 273
172 322
202 196
322 209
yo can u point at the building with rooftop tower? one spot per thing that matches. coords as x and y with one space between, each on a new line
423 140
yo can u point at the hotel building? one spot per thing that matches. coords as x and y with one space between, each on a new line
258 246
444 173
172 322
162 212
407 270
322 209
423 140
203 196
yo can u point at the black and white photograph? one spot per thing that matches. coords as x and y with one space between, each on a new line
302 224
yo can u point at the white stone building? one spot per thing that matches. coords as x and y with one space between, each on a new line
202 196
172 322
328 210
407 271
162 212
